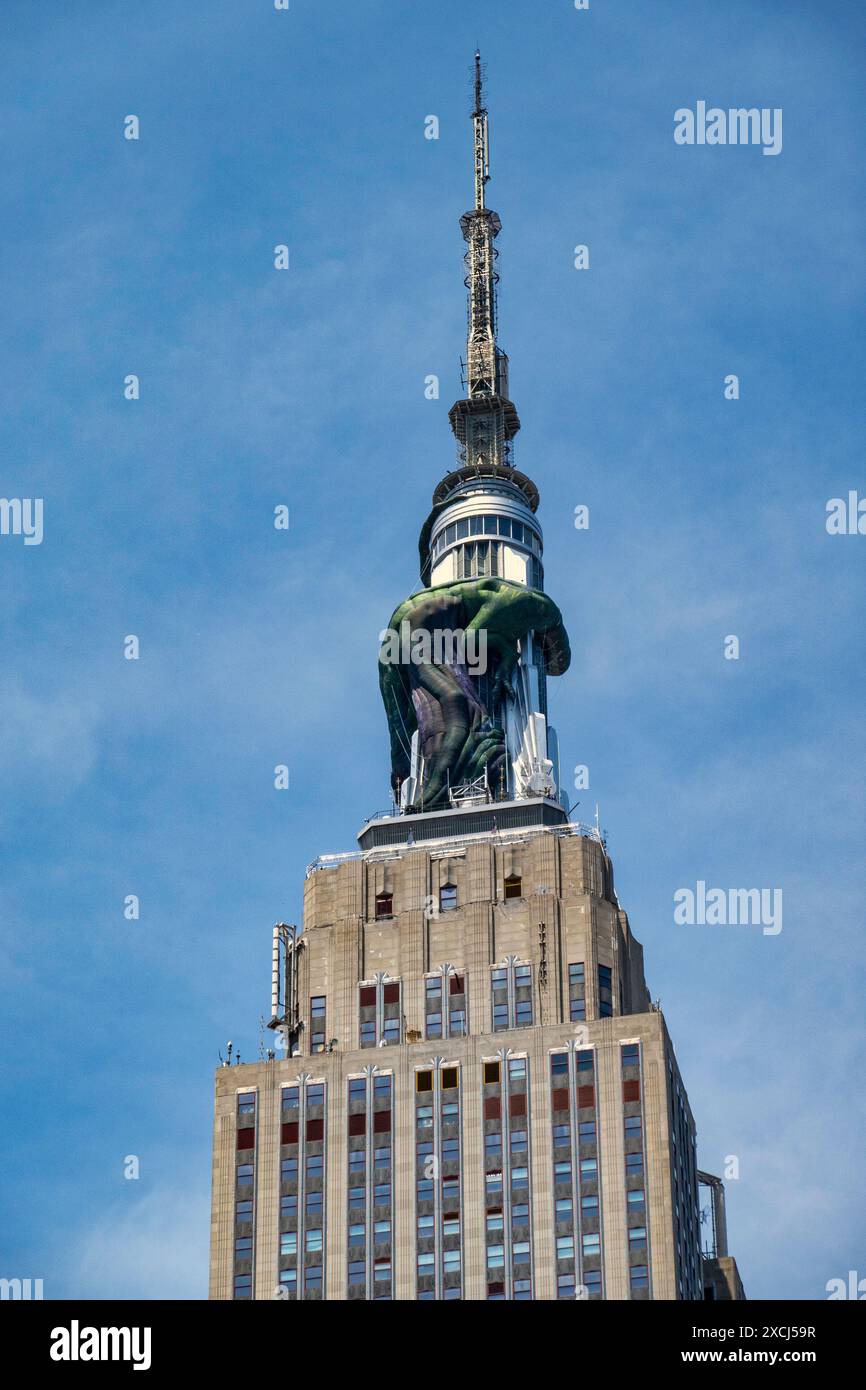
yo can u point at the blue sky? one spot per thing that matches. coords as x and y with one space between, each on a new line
258 647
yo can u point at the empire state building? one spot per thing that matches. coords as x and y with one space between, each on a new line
471 1094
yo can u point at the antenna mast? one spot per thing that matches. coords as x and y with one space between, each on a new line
486 421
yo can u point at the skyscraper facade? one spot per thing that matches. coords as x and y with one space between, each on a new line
471 1094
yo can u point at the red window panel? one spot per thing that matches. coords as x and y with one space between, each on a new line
560 1098
289 1133
456 984
631 1090
246 1138
517 1105
493 1108
585 1096
368 996
382 1122
315 1130
391 994
357 1124
495 1288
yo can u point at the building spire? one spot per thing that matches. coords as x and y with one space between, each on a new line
482 146
486 421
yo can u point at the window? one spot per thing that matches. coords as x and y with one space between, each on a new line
565 1286
634 1164
423 1081
317 1023
290 1098
633 1127
357 1272
589 1168
289 1205
447 897
592 1280
589 1204
384 906
605 992
246 1103
289 1279
449 1078
565 1247
288 1242
564 1209
576 992
313 1276
636 1198
637 1238
591 1243
491 1073
513 886
244 1174
356 1198
243 1212
357 1234
639 1275
243 1248
243 1287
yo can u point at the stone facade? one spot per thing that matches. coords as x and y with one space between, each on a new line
488 1103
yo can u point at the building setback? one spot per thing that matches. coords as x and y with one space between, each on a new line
479 1099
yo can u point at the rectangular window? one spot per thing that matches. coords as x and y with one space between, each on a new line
605 992
317 1023
491 1073
246 1102
447 897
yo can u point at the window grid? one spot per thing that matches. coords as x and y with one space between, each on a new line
637 1214
438 1182
369 1212
302 1236
245 1164
511 995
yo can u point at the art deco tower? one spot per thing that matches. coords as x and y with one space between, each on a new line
471 1095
